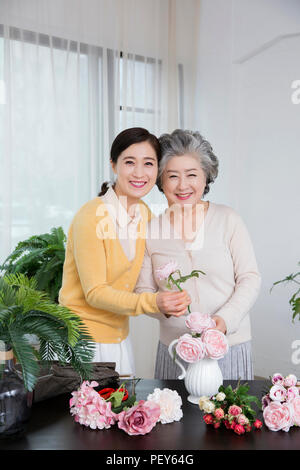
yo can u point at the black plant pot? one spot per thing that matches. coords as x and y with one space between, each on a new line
15 400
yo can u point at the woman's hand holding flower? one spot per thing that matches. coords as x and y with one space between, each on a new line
173 303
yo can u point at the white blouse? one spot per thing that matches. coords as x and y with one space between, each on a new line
126 230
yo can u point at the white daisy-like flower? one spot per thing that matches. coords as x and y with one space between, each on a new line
170 404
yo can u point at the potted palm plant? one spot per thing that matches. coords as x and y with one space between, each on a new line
41 256
62 336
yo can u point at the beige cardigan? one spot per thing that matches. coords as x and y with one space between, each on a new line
223 250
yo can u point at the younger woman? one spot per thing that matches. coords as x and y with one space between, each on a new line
105 250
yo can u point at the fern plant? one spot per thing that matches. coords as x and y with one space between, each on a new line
295 299
41 256
62 336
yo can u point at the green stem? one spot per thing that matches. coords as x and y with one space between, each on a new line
178 285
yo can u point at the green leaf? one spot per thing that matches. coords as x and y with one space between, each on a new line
23 352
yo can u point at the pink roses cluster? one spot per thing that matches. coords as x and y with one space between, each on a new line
234 417
92 410
204 340
281 405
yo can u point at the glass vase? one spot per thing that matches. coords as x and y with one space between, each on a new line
15 400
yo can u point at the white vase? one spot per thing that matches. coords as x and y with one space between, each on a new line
201 378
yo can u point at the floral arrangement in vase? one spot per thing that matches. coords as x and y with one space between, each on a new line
105 408
281 404
231 408
203 341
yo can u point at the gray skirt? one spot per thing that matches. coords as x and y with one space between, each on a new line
237 364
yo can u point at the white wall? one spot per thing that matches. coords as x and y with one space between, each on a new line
248 58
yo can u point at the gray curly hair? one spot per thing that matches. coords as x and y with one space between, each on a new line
182 142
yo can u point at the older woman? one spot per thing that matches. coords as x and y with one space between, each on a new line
201 235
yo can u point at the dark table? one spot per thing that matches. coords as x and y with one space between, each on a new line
52 427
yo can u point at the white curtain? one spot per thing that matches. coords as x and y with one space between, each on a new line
73 74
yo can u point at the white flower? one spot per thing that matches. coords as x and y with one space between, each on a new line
209 407
202 401
170 404
220 396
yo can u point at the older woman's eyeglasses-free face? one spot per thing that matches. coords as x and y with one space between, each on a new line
183 180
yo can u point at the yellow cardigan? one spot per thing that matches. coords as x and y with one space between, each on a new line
98 279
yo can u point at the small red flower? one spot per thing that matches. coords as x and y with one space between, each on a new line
239 429
257 424
248 427
227 424
208 418
233 425
217 424
106 393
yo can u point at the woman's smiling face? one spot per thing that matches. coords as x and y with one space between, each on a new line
183 180
136 171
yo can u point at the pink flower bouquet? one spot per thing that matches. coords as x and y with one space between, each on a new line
204 340
231 408
281 404
90 409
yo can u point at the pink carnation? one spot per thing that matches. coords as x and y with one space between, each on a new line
199 322
277 393
295 404
163 272
140 419
190 349
278 416
215 343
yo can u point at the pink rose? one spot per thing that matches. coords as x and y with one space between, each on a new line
199 322
277 393
216 344
190 349
278 416
277 379
219 413
234 410
208 418
291 393
140 419
243 420
257 424
163 272
239 429
295 404
290 380
265 401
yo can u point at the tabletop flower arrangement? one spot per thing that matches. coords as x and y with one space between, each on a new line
203 341
281 404
231 408
107 407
